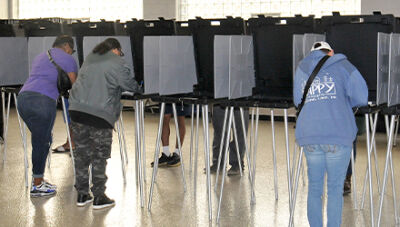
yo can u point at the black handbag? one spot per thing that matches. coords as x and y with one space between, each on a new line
63 81
309 82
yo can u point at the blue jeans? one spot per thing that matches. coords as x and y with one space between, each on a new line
38 112
333 160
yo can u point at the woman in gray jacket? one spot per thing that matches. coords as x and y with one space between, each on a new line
94 108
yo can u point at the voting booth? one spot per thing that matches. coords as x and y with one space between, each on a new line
357 38
273 54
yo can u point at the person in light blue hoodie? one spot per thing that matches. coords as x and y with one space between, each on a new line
326 126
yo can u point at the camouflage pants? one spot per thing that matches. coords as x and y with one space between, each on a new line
92 146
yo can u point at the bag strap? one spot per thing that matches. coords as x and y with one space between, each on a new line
310 80
52 61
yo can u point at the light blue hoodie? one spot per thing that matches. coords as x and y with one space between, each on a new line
327 116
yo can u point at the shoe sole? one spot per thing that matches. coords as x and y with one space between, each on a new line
36 195
174 165
160 164
84 203
98 207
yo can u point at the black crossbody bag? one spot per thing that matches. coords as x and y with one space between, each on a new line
63 81
309 82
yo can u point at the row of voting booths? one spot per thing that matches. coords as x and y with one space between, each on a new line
251 62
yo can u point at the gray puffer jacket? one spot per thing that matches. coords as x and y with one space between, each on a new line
101 80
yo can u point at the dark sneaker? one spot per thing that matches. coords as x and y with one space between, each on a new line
175 160
42 190
101 202
83 199
163 160
234 170
213 168
347 185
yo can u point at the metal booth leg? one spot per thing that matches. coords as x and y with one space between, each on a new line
207 157
274 154
143 139
288 159
179 145
24 145
156 154
225 161
68 134
196 148
191 139
221 146
253 196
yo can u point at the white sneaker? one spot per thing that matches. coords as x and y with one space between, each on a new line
42 190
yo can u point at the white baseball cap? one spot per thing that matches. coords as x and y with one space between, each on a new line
320 45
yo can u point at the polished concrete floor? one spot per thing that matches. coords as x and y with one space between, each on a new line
171 205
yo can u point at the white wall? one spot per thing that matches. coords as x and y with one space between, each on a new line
385 6
3 9
152 9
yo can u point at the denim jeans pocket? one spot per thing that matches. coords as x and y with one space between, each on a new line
310 148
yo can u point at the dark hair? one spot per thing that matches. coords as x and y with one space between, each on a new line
106 46
63 39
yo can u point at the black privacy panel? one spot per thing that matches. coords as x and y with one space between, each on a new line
137 30
79 30
273 54
203 31
357 38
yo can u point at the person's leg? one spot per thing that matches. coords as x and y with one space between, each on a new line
337 158
349 172
65 147
38 112
165 133
233 159
101 140
82 157
316 171
182 131
218 123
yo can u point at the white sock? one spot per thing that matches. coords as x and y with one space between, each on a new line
166 151
176 151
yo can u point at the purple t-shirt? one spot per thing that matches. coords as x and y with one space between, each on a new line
43 77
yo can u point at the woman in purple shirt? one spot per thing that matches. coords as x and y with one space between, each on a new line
37 103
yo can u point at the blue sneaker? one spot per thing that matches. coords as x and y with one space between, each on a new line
42 190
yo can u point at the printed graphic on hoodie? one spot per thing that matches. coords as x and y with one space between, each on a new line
322 88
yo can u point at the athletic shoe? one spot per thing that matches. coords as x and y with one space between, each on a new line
163 160
49 185
234 170
83 199
101 202
175 160
42 190
213 168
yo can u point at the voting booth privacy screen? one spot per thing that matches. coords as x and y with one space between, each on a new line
273 54
357 38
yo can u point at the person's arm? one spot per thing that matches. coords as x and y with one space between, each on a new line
126 80
299 78
72 76
357 90
71 68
